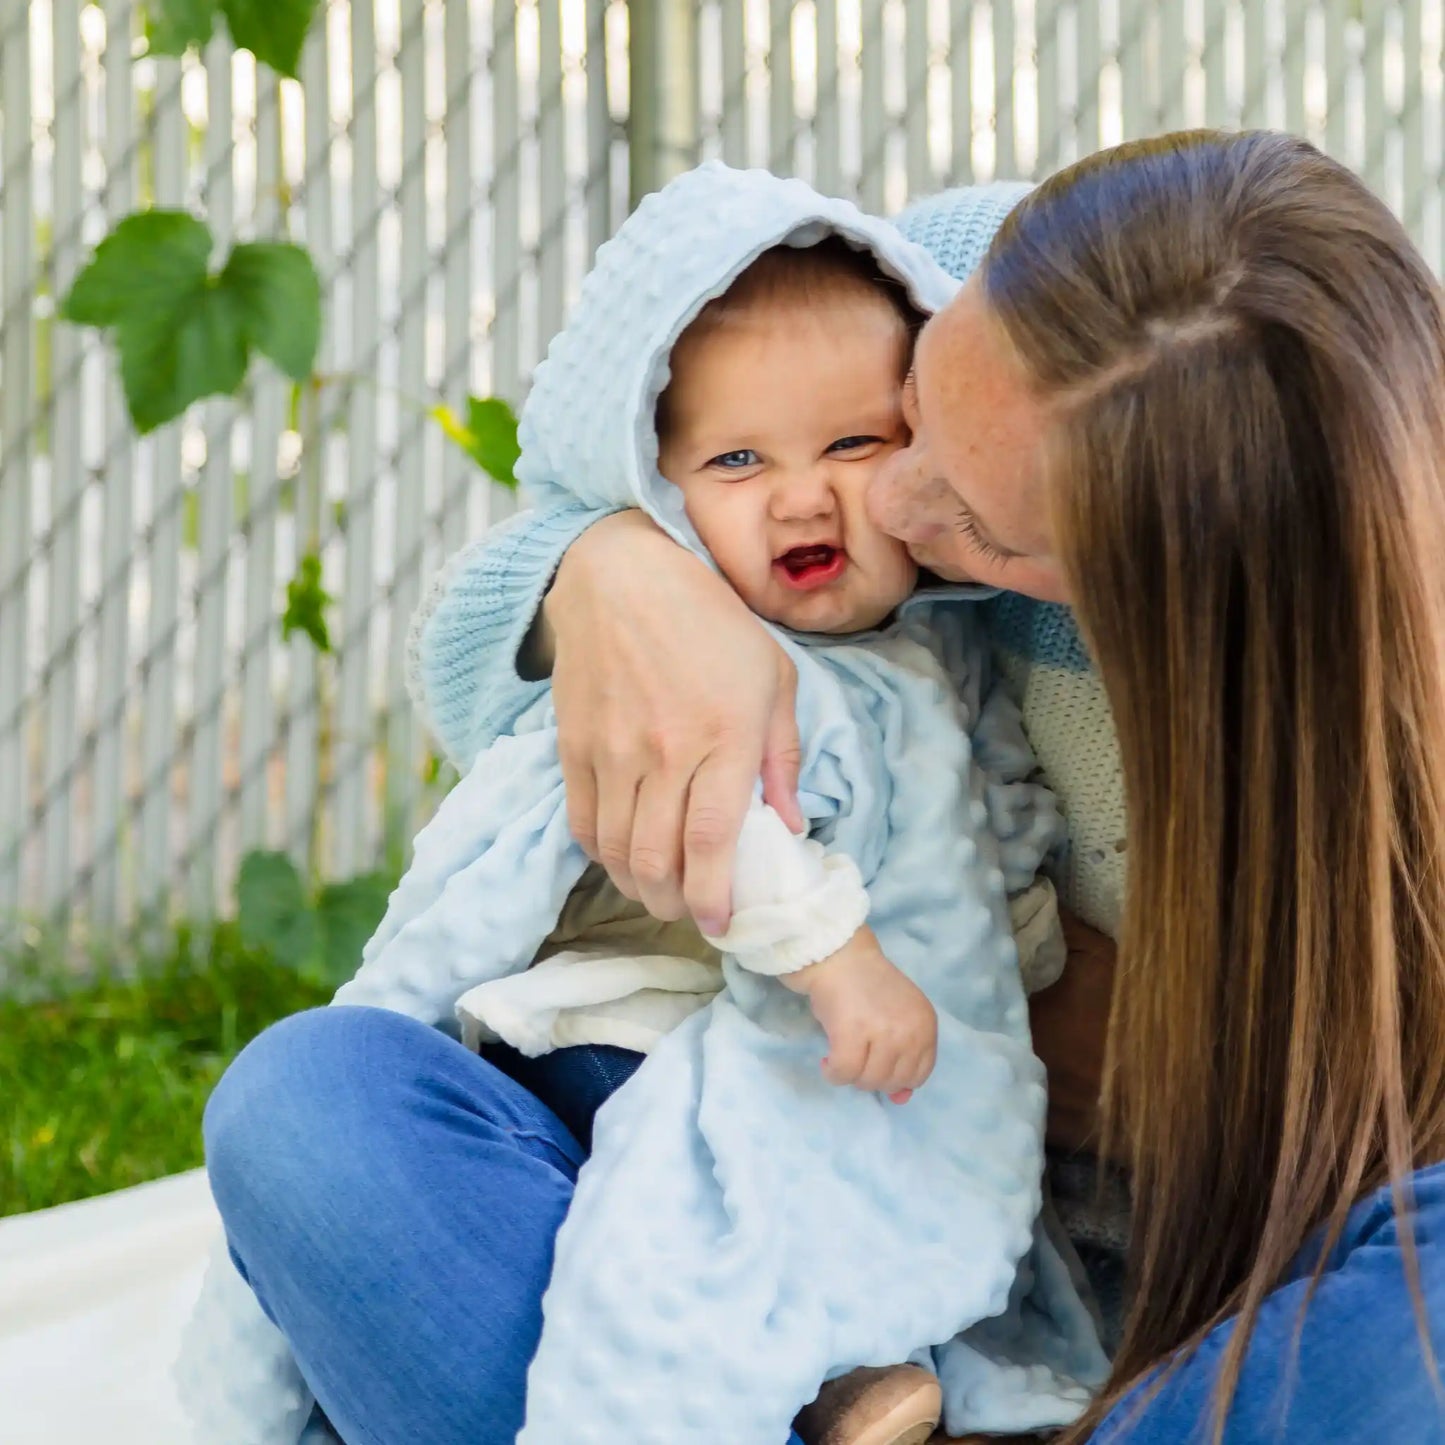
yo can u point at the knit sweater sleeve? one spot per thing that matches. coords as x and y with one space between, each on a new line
466 636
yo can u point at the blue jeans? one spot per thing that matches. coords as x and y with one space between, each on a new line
393 1201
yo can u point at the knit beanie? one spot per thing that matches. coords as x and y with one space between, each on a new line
955 227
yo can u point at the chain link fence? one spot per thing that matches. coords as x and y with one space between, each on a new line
452 165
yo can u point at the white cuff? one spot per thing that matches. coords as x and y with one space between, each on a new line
781 937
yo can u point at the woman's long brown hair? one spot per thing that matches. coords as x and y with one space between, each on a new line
1243 358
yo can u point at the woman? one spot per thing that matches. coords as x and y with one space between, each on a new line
1196 391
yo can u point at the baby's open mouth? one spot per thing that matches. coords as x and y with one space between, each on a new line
815 565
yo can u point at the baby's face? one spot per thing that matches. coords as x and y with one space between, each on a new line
777 421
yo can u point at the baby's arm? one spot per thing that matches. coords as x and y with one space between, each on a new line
799 915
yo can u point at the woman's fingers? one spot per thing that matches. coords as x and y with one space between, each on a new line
783 753
617 788
717 802
580 783
656 859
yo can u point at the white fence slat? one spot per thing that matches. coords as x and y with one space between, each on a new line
268 411
318 411
872 177
506 206
457 285
960 72
552 168
1005 162
919 160
1047 55
113 677
1257 65
733 19
1337 68
351 743
599 123
1089 57
1216 90
782 116
1379 122
1174 65
507 251
215 505
67 481
158 728
1412 119
1296 53
1134 71
402 760
17 444
827 132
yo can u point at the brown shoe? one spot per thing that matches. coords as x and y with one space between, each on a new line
894 1405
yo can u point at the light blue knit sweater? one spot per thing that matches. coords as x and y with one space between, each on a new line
744 1229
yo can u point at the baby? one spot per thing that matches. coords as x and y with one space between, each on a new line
783 401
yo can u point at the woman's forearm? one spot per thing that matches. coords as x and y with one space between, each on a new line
618 541
672 700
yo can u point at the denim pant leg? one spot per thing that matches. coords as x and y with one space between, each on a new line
393 1200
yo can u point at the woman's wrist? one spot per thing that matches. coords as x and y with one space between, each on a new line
583 574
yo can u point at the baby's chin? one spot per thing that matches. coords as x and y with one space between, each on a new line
833 616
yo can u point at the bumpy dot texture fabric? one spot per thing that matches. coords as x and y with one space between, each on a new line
744 1230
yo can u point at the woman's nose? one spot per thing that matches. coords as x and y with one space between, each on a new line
904 502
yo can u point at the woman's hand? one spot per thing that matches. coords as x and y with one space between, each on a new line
1070 1022
672 700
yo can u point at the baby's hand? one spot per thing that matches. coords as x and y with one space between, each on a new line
882 1030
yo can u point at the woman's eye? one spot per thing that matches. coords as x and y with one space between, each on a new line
854 444
735 461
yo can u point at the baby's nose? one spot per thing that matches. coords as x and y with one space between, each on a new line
804 494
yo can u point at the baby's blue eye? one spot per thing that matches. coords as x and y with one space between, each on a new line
735 461
853 444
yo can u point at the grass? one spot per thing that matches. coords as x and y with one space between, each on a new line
102 1083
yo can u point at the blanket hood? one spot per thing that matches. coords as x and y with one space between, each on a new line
587 432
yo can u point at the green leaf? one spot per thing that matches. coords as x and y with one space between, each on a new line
279 295
348 914
273 912
177 356
173 26
180 336
183 333
306 604
142 266
274 31
489 435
